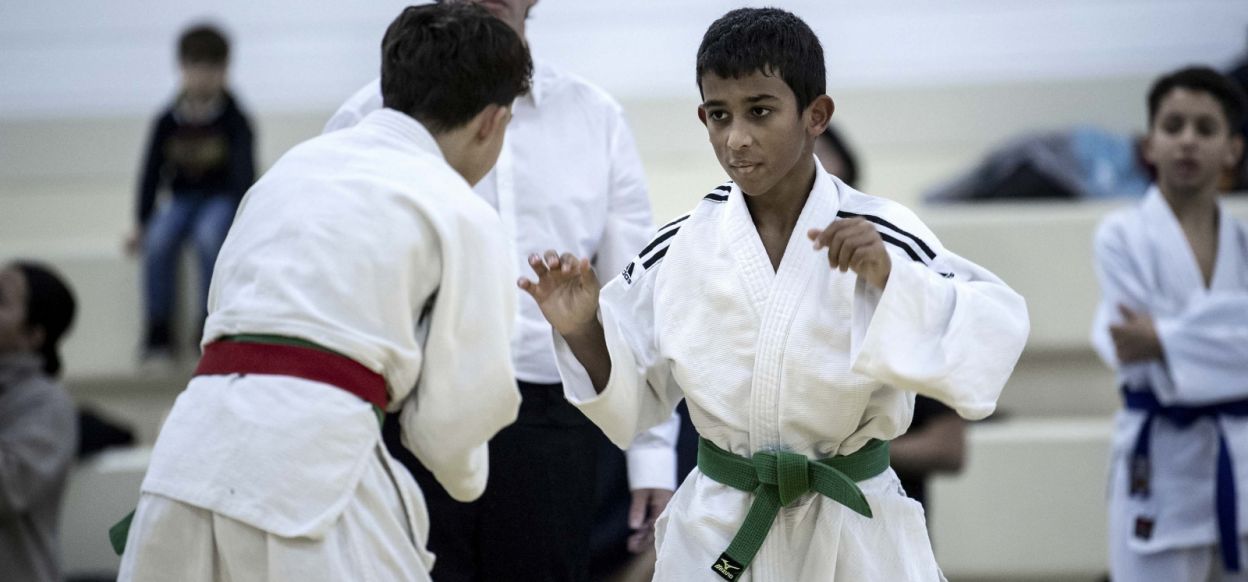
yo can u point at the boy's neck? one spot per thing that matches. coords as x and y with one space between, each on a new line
198 109
1192 208
779 208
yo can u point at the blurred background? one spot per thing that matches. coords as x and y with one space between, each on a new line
925 91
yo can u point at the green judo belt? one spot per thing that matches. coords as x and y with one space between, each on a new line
779 478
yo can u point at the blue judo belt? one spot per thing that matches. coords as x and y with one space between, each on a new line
1183 417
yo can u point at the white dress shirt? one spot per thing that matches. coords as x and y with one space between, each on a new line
569 179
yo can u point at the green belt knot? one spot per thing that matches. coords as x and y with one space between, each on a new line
786 471
779 478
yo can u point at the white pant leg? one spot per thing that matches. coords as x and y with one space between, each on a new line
1187 564
169 540
1242 576
372 541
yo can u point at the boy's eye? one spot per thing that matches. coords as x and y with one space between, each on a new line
717 115
760 111
1172 124
1206 127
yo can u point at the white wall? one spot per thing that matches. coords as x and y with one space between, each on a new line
83 57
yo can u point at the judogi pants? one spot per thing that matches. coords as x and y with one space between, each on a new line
533 522
371 541
1197 564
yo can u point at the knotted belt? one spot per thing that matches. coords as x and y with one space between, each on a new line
779 478
1225 499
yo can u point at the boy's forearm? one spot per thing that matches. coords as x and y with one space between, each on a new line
589 345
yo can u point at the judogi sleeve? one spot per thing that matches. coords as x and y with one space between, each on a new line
467 388
1206 348
1121 283
1205 345
640 392
945 328
652 455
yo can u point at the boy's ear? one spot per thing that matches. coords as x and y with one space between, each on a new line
819 114
1236 149
492 119
36 335
702 115
1146 148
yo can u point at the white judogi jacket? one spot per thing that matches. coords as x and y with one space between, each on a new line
367 243
568 178
804 359
1144 262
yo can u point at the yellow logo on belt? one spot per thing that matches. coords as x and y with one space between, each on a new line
725 568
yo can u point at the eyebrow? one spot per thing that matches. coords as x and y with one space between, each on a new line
751 99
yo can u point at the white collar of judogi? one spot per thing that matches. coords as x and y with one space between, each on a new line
1177 253
402 127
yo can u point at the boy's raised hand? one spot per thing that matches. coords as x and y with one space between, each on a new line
566 290
853 243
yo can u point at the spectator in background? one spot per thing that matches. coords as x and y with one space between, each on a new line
37 420
201 148
936 440
1173 315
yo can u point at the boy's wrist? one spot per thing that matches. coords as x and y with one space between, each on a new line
585 331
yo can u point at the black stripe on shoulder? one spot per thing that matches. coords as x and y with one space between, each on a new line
658 240
902 246
674 222
720 193
922 245
654 258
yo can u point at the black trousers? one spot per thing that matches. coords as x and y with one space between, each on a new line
534 520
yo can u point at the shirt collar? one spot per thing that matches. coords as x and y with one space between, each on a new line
542 75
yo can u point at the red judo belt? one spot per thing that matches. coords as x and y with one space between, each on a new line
241 357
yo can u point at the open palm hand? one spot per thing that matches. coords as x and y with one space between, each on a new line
566 290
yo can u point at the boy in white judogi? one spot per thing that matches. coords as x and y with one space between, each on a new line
1173 321
798 366
361 274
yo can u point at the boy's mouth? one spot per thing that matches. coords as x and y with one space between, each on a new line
1187 166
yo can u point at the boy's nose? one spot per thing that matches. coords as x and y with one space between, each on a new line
1189 135
738 138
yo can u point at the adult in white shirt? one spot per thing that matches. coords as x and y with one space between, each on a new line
569 176
322 313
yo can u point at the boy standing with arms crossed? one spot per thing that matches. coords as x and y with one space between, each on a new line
798 366
1173 322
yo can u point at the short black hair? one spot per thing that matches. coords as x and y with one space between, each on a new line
769 41
203 44
1203 80
50 304
443 63
838 143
